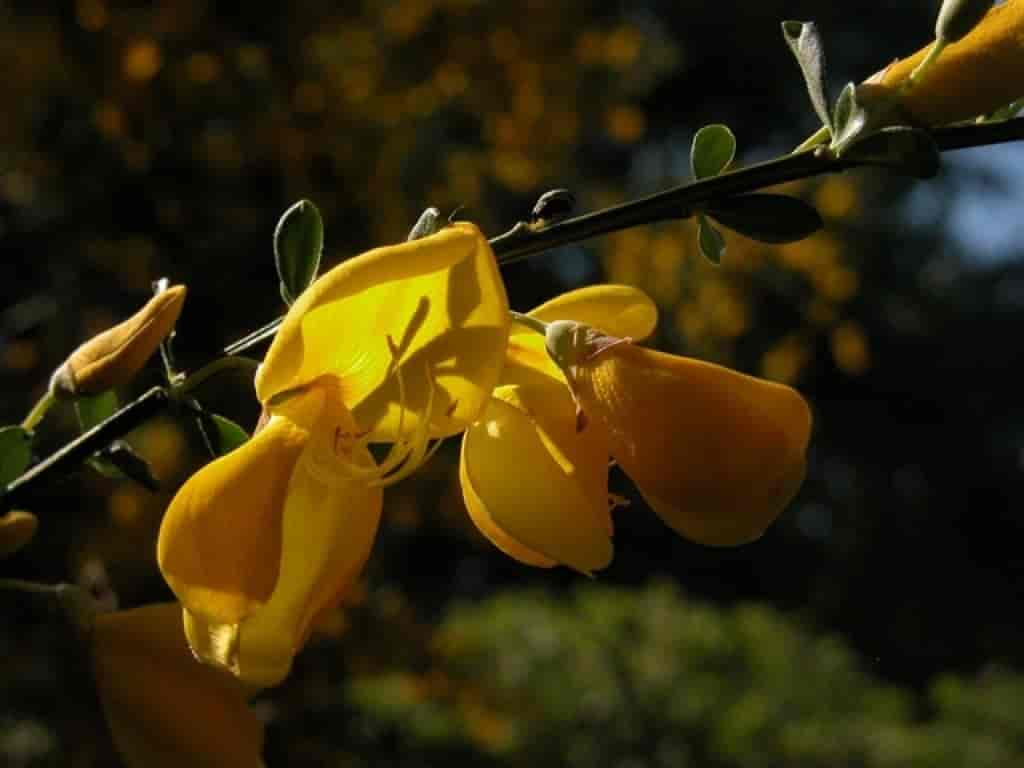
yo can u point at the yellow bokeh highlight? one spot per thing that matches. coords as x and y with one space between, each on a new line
784 361
836 197
142 60
850 349
202 68
91 14
625 123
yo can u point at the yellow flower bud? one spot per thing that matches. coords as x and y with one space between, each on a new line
113 357
976 75
16 530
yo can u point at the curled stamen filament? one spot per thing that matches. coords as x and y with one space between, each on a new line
406 455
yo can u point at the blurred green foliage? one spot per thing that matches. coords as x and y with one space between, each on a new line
649 677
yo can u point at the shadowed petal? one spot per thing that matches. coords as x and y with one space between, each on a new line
527 473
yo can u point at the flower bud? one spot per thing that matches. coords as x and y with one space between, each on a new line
16 529
113 357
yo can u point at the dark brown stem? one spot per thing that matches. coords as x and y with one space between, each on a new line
523 241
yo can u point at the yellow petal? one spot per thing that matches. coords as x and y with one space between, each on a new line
974 76
220 539
617 310
17 528
441 301
533 485
326 526
329 524
717 454
165 709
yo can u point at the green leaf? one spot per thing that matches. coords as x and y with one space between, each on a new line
298 244
849 119
711 242
428 223
905 150
92 410
713 149
15 453
806 44
766 217
225 434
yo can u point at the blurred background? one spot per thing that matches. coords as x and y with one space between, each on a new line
876 624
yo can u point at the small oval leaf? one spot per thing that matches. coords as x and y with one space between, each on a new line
766 217
714 147
298 244
227 435
15 453
806 44
710 240
92 410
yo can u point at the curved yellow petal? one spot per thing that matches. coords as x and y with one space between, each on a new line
17 528
717 454
165 709
617 310
220 539
328 531
543 487
973 76
327 525
434 306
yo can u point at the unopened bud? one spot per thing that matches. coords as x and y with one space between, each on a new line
958 17
17 528
113 357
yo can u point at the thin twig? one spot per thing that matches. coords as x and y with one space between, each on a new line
523 241
66 459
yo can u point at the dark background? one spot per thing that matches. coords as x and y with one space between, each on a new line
140 140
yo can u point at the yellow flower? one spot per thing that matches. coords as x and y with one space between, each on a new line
401 344
715 453
401 327
259 543
976 75
164 709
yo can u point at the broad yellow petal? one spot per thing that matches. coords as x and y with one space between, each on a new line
617 310
164 708
329 520
436 307
717 454
528 474
974 76
220 539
